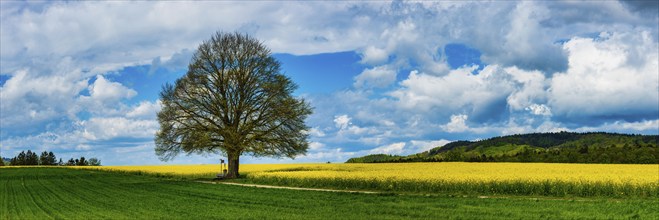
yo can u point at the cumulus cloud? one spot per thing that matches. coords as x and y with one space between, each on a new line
395 148
407 31
482 96
376 77
334 154
526 43
342 121
418 146
176 62
104 90
531 89
457 124
613 77
109 128
145 110
349 130
316 132
539 109
29 100
138 148
105 98
651 126
374 56
315 146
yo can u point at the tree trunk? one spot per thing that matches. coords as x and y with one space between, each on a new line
234 163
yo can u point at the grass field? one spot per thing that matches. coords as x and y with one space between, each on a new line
62 193
539 179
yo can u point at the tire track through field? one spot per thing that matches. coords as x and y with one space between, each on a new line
5 197
95 191
38 198
34 201
62 194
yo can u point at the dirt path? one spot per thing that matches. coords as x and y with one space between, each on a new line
288 187
373 192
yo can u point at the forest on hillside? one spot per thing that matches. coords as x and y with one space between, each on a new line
559 147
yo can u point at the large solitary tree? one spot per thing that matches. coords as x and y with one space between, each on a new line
233 100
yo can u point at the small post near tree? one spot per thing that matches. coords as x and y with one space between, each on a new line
233 100
223 171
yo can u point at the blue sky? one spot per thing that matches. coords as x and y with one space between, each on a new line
83 78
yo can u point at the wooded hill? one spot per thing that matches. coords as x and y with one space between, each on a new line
561 147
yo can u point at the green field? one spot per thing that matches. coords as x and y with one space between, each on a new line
61 193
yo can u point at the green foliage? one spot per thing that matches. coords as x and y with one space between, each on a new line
374 158
60 193
561 147
31 158
81 162
25 159
94 162
47 159
233 100
2 160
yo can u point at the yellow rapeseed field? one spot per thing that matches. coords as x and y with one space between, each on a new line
207 170
478 172
505 178
456 171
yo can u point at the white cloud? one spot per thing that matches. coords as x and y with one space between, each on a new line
104 90
626 127
539 110
403 41
387 123
130 33
145 110
376 77
316 146
316 132
342 121
105 98
114 127
457 124
527 126
458 90
531 88
138 148
28 99
526 43
395 148
83 147
333 154
374 56
418 146
615 76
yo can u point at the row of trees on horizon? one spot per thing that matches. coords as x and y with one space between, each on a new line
30 158
599 148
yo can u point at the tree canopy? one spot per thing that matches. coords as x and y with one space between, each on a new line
233 100
30 158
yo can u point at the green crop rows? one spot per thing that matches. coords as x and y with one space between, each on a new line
61 193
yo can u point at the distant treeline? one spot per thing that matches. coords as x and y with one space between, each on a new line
561 147
30 158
